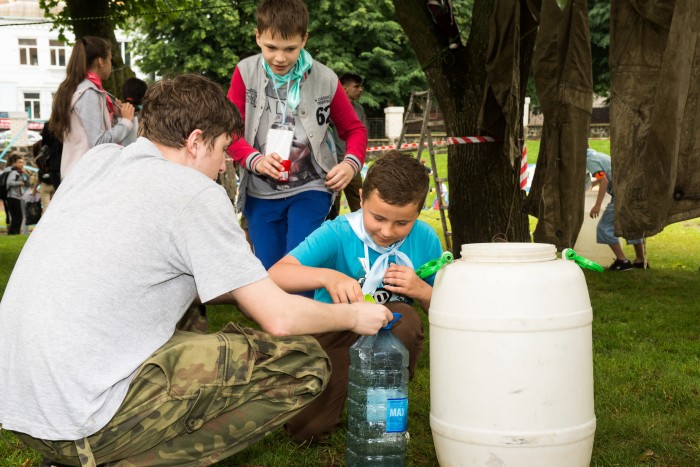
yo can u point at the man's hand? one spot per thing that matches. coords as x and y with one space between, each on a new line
370 318
595 211
339 176
270 165
341 288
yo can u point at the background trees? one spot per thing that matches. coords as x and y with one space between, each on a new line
100 18
361 36
599 24
485 200
395 45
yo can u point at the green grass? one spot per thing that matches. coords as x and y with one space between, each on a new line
646 354
533 148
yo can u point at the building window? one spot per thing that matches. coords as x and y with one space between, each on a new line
57 50
28 52
32 102
125 48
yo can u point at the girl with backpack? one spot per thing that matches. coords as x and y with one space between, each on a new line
83 114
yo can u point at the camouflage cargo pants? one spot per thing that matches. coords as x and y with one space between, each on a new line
201 398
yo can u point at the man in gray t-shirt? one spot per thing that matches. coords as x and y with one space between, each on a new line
91 364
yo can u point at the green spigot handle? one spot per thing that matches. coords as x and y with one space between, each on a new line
433 266
585 263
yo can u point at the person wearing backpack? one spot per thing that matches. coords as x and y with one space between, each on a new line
47 156
15 184
3 192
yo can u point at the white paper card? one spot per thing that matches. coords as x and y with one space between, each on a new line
279 141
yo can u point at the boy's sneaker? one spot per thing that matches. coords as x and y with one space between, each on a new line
641 265
621 265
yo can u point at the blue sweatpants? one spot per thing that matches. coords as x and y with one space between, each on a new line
277 226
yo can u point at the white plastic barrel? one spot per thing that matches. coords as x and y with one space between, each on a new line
511 367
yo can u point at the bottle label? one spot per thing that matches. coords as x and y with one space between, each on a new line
397 415
376 403
388 406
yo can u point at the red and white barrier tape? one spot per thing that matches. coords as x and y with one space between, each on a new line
463 140
447 141
523 169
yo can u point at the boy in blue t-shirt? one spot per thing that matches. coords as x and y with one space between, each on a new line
374 250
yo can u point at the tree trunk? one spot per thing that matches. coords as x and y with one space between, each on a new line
100 25
485 199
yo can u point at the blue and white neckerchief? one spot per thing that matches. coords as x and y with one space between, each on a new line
375 274
292 78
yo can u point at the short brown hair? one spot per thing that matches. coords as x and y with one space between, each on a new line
14 157
398 179
283 18
174 107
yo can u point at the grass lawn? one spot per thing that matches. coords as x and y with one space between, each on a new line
646 354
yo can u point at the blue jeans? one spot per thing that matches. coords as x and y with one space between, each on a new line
605 233
277 226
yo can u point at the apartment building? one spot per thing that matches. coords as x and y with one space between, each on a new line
33 61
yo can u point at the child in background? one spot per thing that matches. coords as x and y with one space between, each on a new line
133 91
17 183
287 101
82 111
600 166
374 250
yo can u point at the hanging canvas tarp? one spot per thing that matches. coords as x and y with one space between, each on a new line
654 122
563 79
501 112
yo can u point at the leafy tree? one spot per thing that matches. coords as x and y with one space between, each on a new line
485 200
361 36
100 18
209 37
599 25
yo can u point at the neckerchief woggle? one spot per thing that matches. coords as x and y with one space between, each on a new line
375 274
292 78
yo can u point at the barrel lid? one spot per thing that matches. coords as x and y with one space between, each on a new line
508 252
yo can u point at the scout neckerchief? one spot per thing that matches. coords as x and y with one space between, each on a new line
292 78
97 81
375 274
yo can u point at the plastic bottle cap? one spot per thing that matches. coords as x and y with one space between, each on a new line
397 316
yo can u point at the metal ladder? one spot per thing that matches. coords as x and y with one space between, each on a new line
424 100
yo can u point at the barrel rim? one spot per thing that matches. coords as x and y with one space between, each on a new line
511 252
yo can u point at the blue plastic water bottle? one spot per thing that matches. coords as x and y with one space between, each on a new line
378 401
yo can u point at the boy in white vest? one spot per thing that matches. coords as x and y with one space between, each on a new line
290 170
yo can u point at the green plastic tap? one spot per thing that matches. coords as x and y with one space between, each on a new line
585 263
433 266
